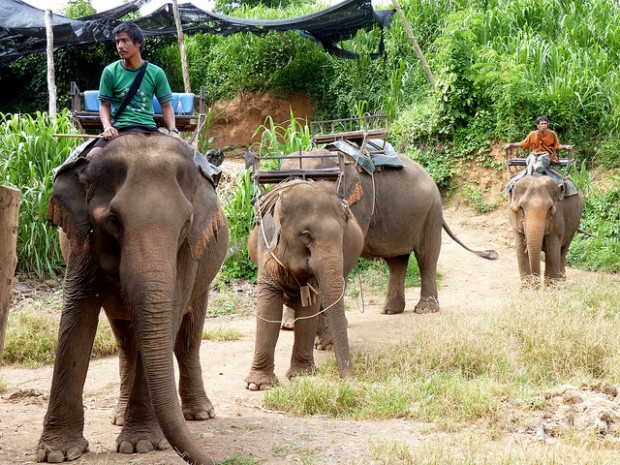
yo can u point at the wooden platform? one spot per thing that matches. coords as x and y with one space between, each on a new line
356 130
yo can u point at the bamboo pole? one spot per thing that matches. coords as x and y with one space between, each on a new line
9 213
51 74
416 47
181 37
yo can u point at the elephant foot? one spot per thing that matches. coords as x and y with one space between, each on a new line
288 318
427 305
139 441
393 307
57 450
259 381
323 342
300 370
198 410
118 414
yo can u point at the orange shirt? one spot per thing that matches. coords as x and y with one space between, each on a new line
536 140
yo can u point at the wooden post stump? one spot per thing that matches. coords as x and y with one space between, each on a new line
9 210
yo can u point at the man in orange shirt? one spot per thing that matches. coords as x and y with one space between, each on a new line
544 142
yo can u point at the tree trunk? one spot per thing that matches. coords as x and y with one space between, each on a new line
416 47
51 73
9 208
184 67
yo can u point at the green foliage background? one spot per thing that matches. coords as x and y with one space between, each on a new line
498 64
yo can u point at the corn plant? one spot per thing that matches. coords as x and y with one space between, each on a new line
28 155
239 211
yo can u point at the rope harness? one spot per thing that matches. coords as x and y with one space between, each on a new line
267 204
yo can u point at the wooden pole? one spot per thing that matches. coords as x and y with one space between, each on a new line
416 47
9 210
51 74
184 67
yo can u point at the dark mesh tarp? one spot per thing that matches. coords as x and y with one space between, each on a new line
22 27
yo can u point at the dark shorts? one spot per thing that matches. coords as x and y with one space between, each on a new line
125 130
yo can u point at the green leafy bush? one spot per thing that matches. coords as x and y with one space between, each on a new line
28 155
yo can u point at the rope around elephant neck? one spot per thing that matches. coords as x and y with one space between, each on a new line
309 316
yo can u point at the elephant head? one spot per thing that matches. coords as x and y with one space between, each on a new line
305 236
143 224
536 216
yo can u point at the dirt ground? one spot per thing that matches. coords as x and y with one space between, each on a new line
242 426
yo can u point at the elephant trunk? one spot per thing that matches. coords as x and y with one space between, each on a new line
534 230
154 314
332 286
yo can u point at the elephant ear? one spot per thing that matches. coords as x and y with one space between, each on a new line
515 215
67 206
207 220
275 235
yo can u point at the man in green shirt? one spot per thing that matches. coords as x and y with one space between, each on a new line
116 80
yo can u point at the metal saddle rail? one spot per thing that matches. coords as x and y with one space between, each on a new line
271 175
564 164
356 130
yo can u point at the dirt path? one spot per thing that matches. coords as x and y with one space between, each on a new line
242 426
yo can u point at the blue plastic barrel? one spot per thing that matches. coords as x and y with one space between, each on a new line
186 104
91 102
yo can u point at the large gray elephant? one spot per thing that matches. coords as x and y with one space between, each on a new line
546 220
305 243
147 237
399 211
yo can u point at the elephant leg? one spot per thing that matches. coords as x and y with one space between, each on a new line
126 361
63 427
427 255
288 318
268 320
195 403
523 261
552 260
302 359
141 431
323 339
395 300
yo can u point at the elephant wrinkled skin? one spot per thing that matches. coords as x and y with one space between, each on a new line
146 237
305 237
543 220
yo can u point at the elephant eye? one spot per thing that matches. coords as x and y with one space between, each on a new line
113 226
306 237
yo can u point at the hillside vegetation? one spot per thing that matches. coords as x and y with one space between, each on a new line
498 64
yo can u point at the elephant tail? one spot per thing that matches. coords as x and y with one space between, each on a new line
487 254
587 233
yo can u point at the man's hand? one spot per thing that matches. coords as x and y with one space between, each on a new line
568 147
174 134
508 146
110 133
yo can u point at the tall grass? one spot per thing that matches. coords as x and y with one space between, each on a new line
601 217
28 155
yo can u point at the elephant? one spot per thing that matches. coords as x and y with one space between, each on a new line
146 237
305 243
399 211
543 219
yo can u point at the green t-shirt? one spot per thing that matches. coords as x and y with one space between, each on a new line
116 80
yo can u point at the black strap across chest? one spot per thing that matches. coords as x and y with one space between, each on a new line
132 90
